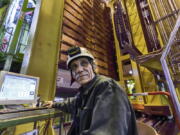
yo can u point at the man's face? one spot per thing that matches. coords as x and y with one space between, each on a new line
82 70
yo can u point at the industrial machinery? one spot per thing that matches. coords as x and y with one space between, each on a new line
136 42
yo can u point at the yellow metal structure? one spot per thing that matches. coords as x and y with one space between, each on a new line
45 52
148 83
144 79
121 58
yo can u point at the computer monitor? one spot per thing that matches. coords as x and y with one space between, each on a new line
17 88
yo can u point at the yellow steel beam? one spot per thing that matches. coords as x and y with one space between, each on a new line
45 52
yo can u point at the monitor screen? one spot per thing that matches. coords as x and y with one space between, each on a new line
17 88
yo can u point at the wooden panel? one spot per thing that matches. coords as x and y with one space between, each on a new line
75 6
72 11
73 18
74 34
99 49
64 47
102 63
68 39
86 31
87 24
87 11
73 25
102 71
81 37
63 57
95 9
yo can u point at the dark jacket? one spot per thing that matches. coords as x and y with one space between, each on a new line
101 108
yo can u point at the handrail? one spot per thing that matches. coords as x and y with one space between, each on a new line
169 80
165 66
157 93
151 93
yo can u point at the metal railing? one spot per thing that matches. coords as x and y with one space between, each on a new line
166 70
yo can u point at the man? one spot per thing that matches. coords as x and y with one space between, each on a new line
101 107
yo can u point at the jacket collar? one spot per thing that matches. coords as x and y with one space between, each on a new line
84 89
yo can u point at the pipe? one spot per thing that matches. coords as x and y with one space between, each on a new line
150 93
173 6
161 25
169 22
166 71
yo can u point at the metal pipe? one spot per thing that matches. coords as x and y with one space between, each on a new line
151 33
172 6
150 28
154 37
150 93
173 9
161 25
169 22
169 80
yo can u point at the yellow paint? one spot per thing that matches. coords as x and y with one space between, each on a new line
139 42
121 58
45 52
177 3
138 83
144 78
178 92
153 16
136 28
41 126
20 129
158 12
2 11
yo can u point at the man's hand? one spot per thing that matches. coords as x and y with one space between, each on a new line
48 104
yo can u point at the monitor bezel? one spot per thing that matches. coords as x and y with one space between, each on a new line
11 102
